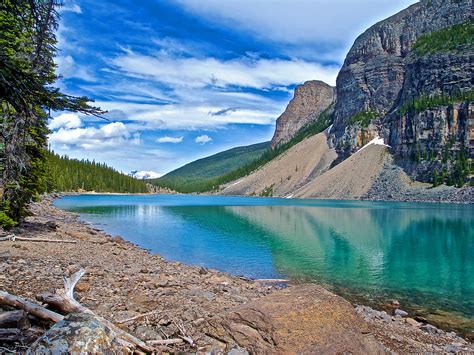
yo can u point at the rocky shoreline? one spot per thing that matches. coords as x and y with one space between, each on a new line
155 299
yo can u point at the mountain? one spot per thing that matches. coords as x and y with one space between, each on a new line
403 112
145 175
199 175
409 80
398 123
309 101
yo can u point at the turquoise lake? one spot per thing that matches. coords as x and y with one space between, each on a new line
372 252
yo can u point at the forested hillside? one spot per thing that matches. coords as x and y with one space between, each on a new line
196 177
65 174
201 174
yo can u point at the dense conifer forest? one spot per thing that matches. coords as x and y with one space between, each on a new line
65 174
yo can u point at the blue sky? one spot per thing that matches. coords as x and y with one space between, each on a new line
184 79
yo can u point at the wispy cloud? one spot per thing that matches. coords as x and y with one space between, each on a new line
301 21
68 68
168 139
205 72
203 139
70 6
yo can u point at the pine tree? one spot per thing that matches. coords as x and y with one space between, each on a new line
27 73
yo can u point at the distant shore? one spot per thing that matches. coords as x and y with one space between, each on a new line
124 280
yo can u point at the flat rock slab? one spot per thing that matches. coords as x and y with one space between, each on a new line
299 319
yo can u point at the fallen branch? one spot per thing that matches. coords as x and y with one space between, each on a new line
128 320
14 319
29 307
14 238
272 281
8 237
165 342
64 301
184 334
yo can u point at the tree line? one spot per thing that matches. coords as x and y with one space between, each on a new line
64 174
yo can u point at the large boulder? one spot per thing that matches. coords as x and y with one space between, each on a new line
77 333
300 319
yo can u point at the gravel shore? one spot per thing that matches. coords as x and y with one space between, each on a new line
220 312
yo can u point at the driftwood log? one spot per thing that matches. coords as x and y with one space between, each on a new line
14 238
165 342
14 319
29 307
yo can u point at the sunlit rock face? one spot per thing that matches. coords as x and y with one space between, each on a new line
309 101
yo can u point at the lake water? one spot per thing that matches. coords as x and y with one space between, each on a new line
419 254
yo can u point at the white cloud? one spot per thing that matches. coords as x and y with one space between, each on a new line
65 120
168 139
71 7
68 68
112 135
243 72
297 21
203 139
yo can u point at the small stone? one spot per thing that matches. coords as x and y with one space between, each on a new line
451 348
412 322
202 271
430 329
146 333
421 319
238 351
83 287
401 313
4 256
394 303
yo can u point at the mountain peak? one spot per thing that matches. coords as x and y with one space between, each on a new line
309 101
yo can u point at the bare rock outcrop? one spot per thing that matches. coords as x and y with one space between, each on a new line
300 319
309 101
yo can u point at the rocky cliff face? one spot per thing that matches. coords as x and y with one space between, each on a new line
309 101
430 140
374 71
383 75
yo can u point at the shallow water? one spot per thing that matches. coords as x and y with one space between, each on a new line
420 254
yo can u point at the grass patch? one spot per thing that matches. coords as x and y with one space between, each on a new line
363 118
